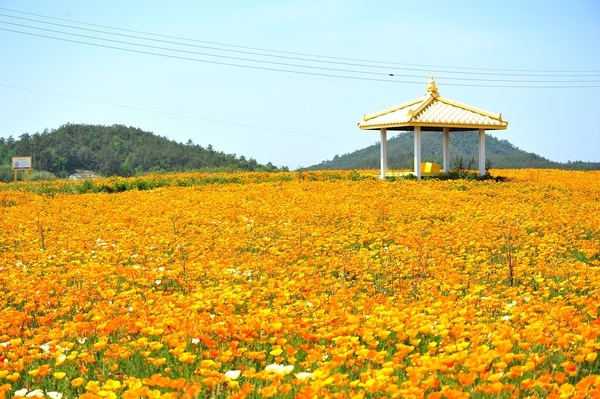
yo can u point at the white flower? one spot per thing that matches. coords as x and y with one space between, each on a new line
81 340
506 317
5 344
54 395
195 340
45 347
279 368
303 375
233 374
36 393
60 359
157 282
21 393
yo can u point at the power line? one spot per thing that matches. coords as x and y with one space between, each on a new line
207 61
195 52
213 47
379 64
183 115
300 66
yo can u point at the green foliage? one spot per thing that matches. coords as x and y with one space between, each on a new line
463 146
6 173
37 175
117 151
117 184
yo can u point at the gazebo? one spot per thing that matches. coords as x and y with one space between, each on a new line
432 113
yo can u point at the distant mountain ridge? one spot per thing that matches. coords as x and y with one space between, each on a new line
116 150
464 148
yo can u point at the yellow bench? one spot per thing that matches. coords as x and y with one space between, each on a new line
430 169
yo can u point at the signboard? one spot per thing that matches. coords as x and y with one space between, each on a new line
21 163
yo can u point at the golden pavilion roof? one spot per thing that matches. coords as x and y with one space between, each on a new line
432 112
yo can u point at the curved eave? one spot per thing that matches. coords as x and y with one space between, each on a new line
431 126
396 108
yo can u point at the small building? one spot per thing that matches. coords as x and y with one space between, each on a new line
432 112
82 175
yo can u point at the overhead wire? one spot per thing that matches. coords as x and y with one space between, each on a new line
524 83
531 85
465 69
209 62
381 71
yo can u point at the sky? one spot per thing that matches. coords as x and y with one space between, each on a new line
287 81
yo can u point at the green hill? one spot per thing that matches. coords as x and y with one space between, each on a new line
115 150
464 148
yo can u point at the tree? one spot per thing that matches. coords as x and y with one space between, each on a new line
115 150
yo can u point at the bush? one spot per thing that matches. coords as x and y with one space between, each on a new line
6 174
42 175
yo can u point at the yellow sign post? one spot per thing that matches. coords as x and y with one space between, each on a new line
21 163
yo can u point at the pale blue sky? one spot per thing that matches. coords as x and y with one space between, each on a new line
300 119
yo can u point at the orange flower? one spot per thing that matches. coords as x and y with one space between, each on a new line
570 367
467 379
355 285
527 383
268 391
76 382
560 377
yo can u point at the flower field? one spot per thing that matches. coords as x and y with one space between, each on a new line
301 285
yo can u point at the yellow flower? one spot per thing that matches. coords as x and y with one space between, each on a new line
107 394
59 375
111 385
276 352
98 346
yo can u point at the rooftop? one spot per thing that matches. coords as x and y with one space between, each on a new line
432 112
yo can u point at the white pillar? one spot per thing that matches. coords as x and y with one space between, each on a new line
418 152
482 152
446 150
383 161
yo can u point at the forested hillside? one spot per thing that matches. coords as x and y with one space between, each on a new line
464 146
115 150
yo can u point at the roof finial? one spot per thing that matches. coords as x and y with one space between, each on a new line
432 88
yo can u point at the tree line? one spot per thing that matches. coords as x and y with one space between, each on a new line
464 148
115 150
